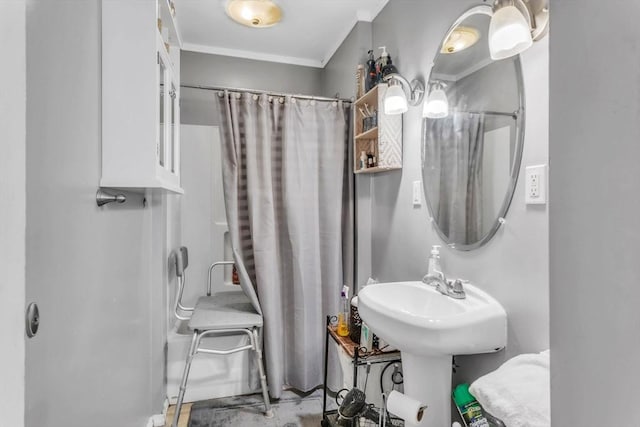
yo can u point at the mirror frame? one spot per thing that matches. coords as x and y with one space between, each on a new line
520 130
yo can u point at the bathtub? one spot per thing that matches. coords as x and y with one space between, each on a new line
204 232
211 376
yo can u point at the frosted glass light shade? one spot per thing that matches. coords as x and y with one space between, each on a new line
254 13
436 106
509 33
395 100
459 39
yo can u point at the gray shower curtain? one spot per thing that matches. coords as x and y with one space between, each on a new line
453 149
285 173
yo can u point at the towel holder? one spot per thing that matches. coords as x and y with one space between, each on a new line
103 197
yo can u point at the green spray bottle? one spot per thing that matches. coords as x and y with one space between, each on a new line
468 407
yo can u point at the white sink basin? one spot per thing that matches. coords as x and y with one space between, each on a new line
415 317
429 328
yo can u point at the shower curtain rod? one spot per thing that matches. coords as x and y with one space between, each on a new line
266 92
494 113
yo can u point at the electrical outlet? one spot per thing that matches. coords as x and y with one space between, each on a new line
417 193
536 185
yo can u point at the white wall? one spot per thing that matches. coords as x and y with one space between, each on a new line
12 213
513 267
98 274
204 222
594 221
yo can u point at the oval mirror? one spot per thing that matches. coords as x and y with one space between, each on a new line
472 134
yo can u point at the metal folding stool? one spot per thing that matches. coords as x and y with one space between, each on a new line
221 313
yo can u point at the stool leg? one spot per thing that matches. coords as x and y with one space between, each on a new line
257 346
185 375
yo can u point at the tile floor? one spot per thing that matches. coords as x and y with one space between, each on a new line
291 410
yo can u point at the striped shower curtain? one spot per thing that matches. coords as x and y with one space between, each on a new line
287 192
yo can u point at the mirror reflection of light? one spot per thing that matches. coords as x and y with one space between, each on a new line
459 39
436 106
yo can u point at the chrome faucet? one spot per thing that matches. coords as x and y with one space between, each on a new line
453 289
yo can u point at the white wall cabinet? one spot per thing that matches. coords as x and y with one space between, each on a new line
140 96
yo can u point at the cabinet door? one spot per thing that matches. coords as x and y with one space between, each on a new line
174 129
162 99
168 118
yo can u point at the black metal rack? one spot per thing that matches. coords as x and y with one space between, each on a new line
359 357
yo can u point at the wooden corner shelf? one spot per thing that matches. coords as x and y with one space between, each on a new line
384 141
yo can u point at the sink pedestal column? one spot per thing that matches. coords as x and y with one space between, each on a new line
428 380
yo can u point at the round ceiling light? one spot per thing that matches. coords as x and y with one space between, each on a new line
254 13
459 39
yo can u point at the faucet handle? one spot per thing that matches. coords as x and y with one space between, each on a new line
458 288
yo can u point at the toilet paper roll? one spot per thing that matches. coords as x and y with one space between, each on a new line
405 407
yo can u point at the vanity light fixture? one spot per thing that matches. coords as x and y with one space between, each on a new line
396 100
437 105
515 25
254 13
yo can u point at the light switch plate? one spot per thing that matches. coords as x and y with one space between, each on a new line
536 185
417 193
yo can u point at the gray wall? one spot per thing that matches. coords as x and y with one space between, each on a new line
339 78
498 78
339 75
98 274
200 69
12 214
513 267
594 228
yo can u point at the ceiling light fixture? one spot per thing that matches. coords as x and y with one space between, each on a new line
254 13
459 39
515 25
395 99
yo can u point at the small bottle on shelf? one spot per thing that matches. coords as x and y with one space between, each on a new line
363 160
372 75
381 62
343 315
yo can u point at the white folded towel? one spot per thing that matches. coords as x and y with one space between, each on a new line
518 391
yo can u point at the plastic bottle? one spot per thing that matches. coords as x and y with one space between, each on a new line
469 408
372 77
343 315
389 68
434 267
381 62
366 337
355 322
363 160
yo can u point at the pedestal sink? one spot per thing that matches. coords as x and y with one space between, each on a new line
429 328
